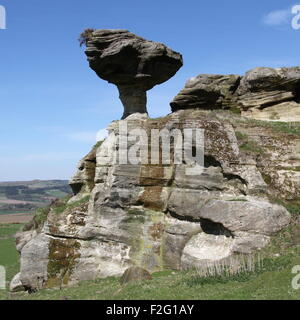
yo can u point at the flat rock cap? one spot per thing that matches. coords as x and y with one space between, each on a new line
123 58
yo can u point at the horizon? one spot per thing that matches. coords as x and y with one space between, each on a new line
53 104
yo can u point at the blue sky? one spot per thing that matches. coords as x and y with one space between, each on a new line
52 104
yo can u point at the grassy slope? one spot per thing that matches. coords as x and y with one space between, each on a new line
272 282
9 257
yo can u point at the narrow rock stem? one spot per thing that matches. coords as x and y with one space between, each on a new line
134 99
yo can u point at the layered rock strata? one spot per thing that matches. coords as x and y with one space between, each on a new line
263 94
153 216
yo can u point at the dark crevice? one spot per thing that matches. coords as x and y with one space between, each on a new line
297 95
215 228
210 161
91 160
66 237
208 226
183 218
76 187
231 176
274 103
236 85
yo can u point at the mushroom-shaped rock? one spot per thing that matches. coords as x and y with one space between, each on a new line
132 63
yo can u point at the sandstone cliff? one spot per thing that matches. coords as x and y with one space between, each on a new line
155 215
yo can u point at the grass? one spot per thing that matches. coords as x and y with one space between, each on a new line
292 207
271 281
247 144
98 144
9 257
292 128
75 204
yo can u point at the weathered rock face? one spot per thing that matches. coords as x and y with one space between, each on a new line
132 63
154 216
82 183
263 93
207 91
277 154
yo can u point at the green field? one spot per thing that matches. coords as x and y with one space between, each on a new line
9 257
272 281
27 196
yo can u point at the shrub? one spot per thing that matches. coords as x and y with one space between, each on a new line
85 36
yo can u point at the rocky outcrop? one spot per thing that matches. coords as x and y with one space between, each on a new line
207 91
132 63
82 183
149 198
154 216
263 93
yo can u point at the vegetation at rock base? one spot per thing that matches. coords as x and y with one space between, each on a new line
65 206
98 144
293 206
292 128
58 207
272 281
247 144
9 257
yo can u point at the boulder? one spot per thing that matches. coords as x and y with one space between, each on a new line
207 91
270 94
135 274
262 93
132 63
16 284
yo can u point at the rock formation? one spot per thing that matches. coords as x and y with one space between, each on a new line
132 63
155 216
263 93
151 216
207 91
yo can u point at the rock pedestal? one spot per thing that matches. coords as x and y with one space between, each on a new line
134 99
132 63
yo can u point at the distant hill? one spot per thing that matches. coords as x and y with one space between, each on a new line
27 196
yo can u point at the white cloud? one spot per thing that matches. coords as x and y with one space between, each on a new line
84 136
277 17
101 134
88 136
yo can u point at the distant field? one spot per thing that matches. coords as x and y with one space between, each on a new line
9 257
27 196
15 218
